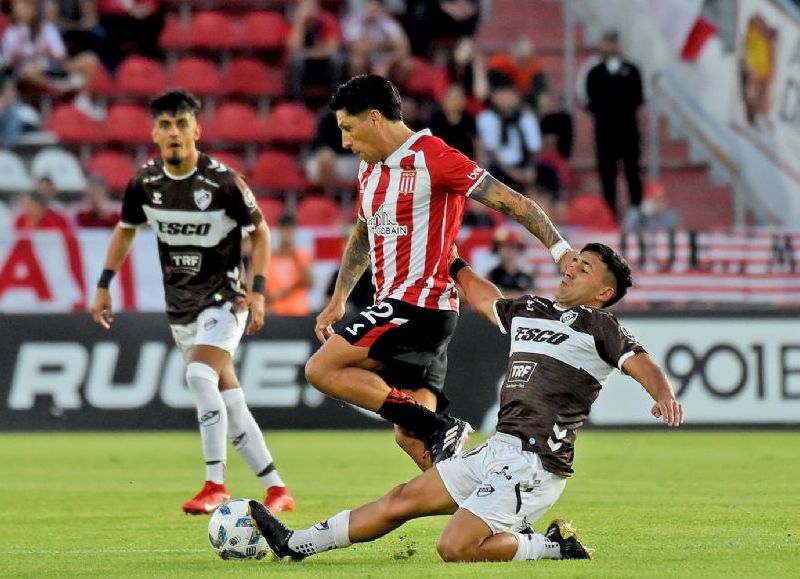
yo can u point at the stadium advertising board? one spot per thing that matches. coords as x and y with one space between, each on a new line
61 372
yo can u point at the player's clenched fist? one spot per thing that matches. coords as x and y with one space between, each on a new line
101 308
331 314
669 410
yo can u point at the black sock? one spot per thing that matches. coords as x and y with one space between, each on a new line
410 415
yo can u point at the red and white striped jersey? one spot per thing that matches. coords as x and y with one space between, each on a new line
413 204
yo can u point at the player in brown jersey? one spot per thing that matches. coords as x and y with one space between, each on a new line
562 351
198 208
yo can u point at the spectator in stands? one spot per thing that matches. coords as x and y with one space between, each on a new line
330 165
15 117
524 68
614 95
453 124
654 214
132 26
414 113
98 210
80 28
314 46
34 50
465 67
36 213
510 137
375 42
289 274
555 120
441 22
509 276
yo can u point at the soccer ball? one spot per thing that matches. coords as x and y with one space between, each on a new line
232 534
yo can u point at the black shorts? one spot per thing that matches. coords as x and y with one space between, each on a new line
411 343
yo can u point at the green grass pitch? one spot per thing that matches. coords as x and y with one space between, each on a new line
653 504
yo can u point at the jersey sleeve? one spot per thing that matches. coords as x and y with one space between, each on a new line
453 172
132 214
243 207
614 343
504 312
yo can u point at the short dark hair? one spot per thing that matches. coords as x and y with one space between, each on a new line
174 102
365 92
618 268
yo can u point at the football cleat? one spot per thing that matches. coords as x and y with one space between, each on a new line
449 440
279 499
565 535
211 496
275 532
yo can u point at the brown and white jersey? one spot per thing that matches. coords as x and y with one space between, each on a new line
198 220
559 360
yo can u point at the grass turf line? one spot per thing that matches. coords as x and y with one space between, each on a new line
671 504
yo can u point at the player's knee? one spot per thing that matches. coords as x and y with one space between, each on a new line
316 370
453 551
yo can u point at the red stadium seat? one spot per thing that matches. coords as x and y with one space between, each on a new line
102 84
72 126
318 212
140 76
128 124
271 209
291 122
237 123
250 77
264 30
424 79
115 168
590 211
232 160
276 170
197 75
176 35
213 30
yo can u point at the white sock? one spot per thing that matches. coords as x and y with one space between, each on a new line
212 417
247 438
333 533
534 546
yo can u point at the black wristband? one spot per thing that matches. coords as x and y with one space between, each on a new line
457 265
105 278
259 283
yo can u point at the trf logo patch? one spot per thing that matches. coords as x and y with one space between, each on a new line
520 374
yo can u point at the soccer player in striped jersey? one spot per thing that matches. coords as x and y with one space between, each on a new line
391 358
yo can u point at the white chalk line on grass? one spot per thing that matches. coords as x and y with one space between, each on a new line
121 551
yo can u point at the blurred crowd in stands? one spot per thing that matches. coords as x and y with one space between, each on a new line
75 72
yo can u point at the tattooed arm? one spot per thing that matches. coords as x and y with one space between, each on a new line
354 261
524 211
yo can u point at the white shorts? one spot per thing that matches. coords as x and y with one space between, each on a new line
503 485
216 326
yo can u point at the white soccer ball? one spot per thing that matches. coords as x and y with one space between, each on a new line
232 534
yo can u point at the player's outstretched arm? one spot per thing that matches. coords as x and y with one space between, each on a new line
527 213
260 263
118 248
479 292
647 373
354 262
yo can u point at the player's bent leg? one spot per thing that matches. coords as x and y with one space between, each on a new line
338 369
248 441
423 496
463 536
411 444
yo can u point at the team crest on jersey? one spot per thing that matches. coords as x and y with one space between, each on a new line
202 198
568 317
408 181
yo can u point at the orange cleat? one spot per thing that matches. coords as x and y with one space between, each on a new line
279 499
211 496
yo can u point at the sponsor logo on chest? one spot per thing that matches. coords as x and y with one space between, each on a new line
383 225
